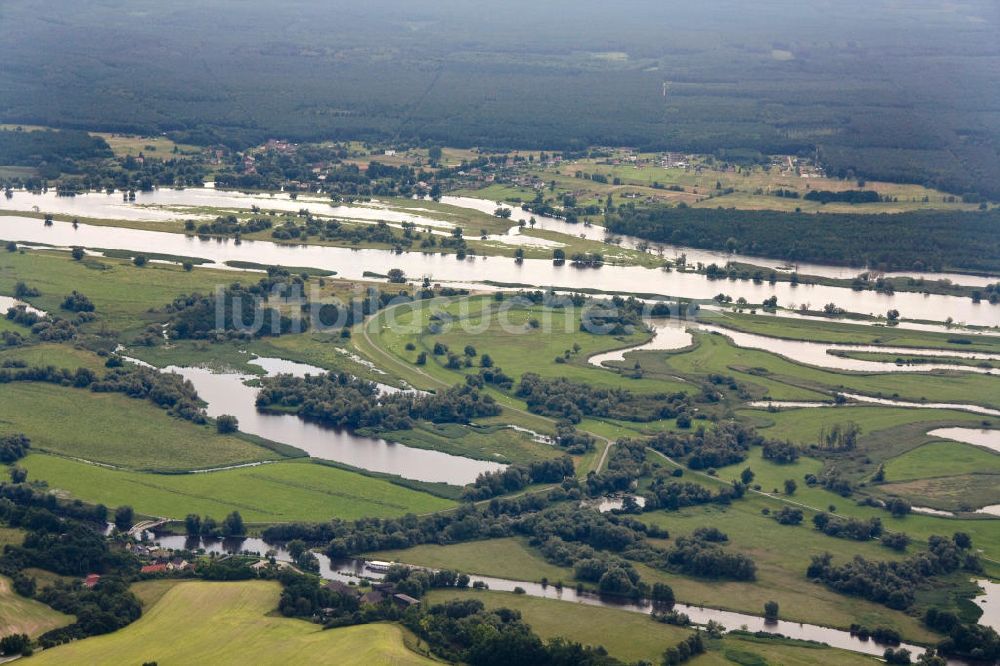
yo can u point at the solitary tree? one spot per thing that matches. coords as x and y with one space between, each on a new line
233 525
226 424
296 547
124 515
790 486
663 593
192 524
771 611
14 644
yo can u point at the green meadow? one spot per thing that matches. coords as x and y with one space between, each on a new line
113 429
634 637
271 493
226 623
21 615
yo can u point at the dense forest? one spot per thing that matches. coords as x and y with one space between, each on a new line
342 401
53 151
877 89
920 240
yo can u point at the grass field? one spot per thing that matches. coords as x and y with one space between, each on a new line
277 492
802 426
226 623
635 637
984 531
10 535
919 467
510 558
782 555
961 492
122 293
154 147
514 345
942 459
495 443
47 578
627 636
385 345
148 592
44 354
904 359
113 429
701 187
19 615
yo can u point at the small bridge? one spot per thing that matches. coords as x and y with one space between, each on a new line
145 525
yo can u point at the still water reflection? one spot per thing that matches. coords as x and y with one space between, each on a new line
228 393
352 264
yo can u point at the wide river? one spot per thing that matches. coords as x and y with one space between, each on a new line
352 263
172 204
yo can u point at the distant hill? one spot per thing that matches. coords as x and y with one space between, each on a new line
884 90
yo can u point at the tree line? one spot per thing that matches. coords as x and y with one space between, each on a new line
917 240
895 583
565 399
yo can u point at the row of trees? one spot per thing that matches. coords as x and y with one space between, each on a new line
167 390
517 477
232 526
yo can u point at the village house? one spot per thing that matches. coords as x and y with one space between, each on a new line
341 587
178 564
374 597
405 600
260 565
